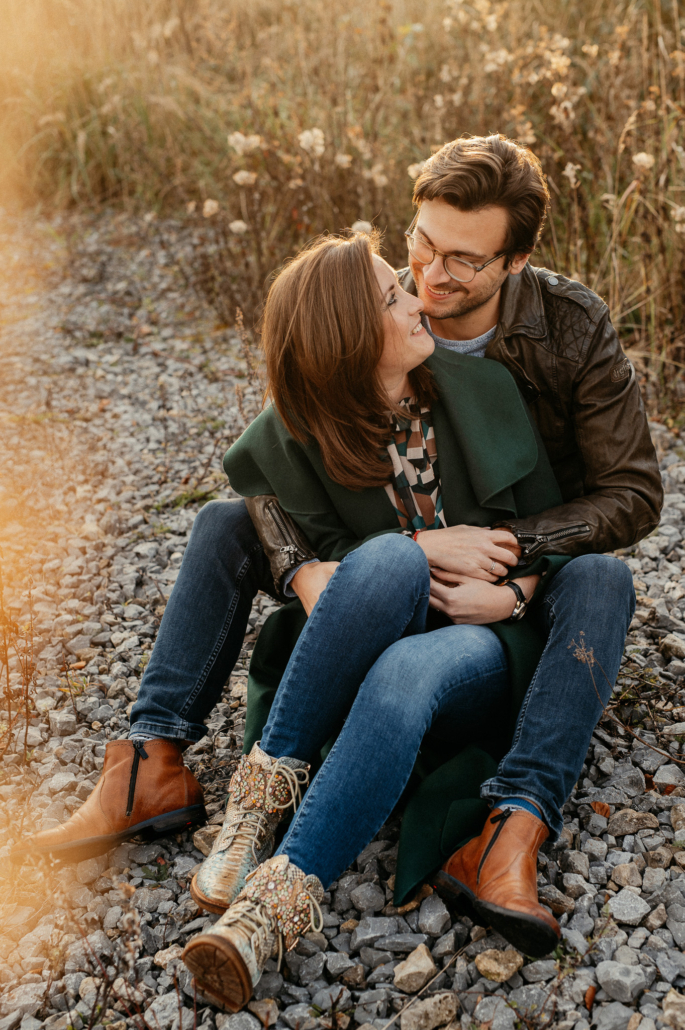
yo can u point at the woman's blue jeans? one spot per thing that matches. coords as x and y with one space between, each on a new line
364 663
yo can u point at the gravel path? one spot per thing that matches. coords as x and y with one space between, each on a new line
118 395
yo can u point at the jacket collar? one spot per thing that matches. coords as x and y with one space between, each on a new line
521 307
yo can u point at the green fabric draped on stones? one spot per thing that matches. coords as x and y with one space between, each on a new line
493 466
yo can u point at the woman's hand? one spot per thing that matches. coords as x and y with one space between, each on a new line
478 603
485 554
311 580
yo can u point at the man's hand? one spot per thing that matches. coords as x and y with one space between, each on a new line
478 603
485 554
309 582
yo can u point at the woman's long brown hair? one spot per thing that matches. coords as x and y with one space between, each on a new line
322 333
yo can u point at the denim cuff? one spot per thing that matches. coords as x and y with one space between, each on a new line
290 575
169 731
495 790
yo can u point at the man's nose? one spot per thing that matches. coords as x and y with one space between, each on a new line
434 273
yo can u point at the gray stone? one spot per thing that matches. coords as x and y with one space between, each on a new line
576 862
337 963
530 1000
628 778
575 885
148 899
311 969
495 1011
630 821
27 998
613 1016
239 1021
450 942
669 774
82 956
648 760
545 969
370 930
628 908
401 941
576 940
336 996
434 918
63 723
433 1011
62 781
299 1017
620 981
9 1022
677 928
368 897
671 964
268 986
626 955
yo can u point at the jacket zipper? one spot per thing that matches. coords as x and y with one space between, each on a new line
292 550
546 538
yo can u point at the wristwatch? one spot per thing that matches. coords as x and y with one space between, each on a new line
521 603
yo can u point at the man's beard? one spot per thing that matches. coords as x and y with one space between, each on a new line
464 304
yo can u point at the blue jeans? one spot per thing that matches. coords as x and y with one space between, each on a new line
452 681
204 624
385 587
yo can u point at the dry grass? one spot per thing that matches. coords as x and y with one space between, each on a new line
134 104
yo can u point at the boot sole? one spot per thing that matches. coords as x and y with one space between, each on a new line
530 935
91 847
219 970
203 901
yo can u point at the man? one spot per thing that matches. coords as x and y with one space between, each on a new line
481 207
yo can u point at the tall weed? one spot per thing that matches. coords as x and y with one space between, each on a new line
281 120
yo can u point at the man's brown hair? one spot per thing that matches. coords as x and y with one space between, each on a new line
473 171
322 334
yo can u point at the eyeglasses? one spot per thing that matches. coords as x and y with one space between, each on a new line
456 268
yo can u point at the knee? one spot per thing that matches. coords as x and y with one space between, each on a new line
392 555
601 575
219 521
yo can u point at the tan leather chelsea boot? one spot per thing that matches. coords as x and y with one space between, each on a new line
497 871
145 789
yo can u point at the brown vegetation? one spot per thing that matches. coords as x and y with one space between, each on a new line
279 120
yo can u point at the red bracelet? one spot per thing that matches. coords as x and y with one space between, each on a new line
416 533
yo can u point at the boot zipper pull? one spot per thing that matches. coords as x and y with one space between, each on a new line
138 753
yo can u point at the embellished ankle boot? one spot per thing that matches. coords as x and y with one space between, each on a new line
261 791
275 908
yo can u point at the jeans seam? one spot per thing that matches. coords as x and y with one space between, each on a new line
209 664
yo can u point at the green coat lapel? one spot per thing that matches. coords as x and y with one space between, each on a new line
491 433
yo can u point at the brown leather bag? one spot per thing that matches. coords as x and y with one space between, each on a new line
284 543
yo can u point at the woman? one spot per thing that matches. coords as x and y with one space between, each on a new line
379 452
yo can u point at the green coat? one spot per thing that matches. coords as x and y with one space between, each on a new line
492 466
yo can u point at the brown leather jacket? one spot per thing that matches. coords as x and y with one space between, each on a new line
556 338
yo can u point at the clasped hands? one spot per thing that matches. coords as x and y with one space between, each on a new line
465 561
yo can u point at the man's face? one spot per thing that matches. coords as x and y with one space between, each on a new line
475 236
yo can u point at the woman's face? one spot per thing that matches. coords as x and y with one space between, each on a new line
407 343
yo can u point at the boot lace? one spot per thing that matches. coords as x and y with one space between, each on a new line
252 825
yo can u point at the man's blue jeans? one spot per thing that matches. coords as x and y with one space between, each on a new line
364 665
